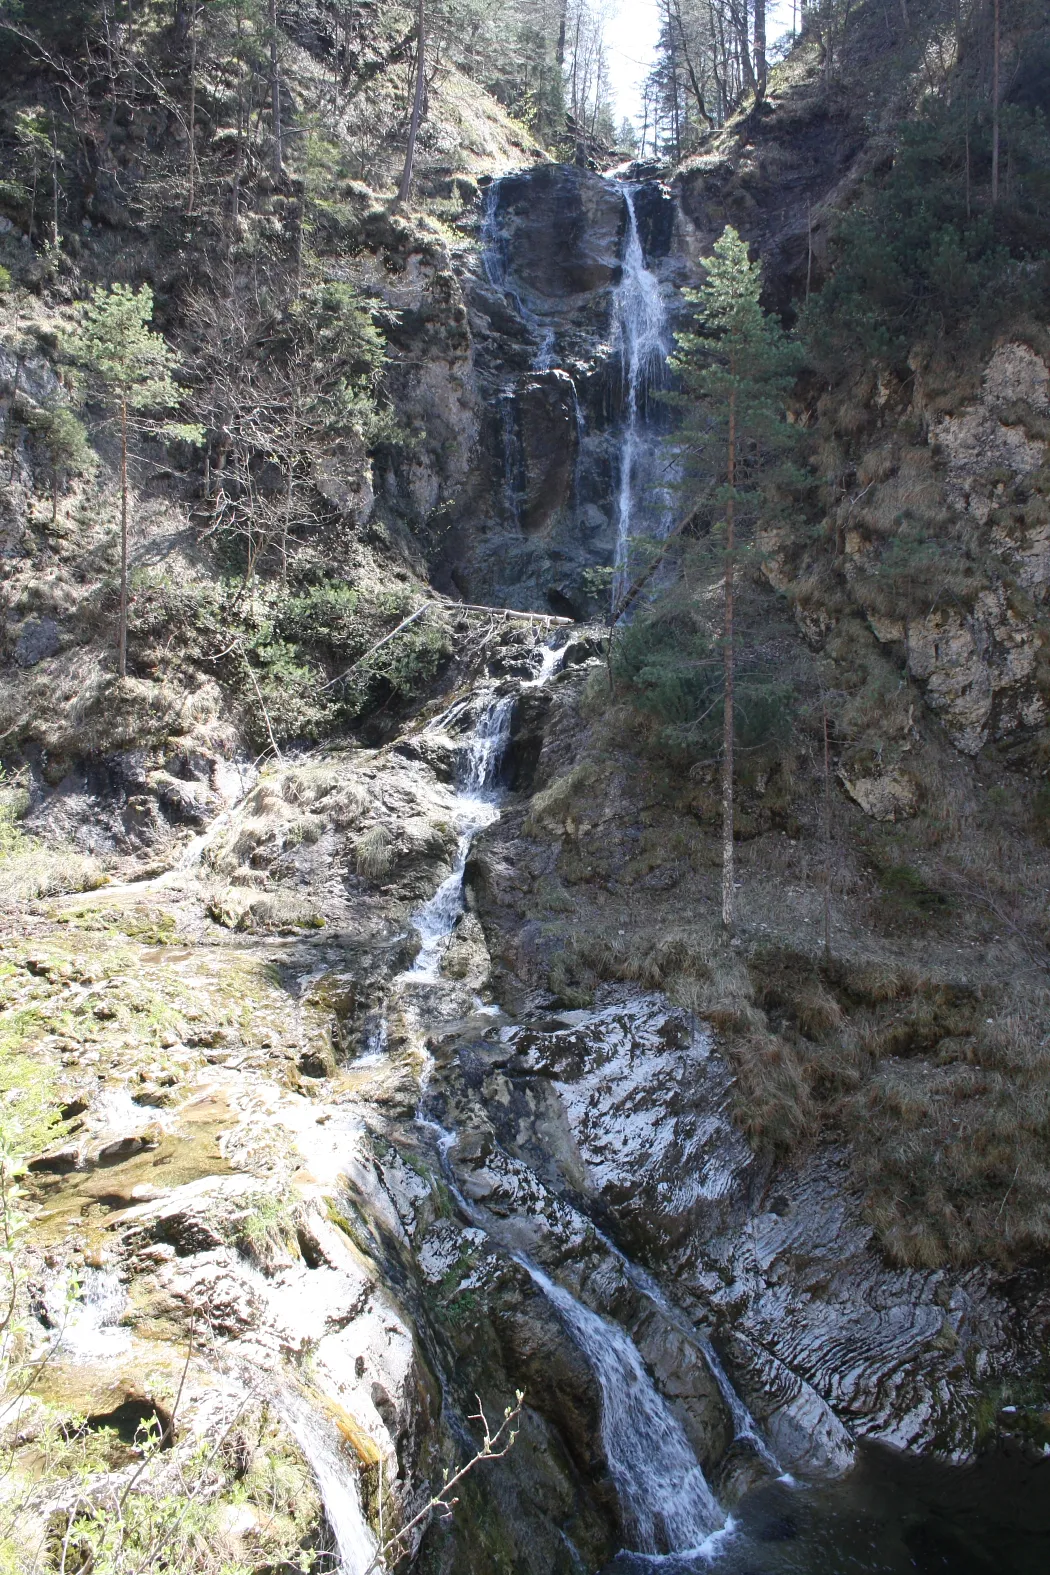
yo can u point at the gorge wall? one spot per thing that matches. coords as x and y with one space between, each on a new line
407 1068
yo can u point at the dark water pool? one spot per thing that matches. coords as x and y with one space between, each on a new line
893 1514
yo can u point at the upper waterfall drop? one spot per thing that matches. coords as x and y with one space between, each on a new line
643 340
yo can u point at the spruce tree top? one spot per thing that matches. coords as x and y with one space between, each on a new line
126 360
735 348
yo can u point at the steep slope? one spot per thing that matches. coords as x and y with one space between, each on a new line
401 1062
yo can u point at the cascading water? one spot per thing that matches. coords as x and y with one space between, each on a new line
86 1317
666 1501
744 1426
337 1484
642 337
478 808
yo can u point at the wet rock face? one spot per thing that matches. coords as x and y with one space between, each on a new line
563 228
621 1114
550 447
544 303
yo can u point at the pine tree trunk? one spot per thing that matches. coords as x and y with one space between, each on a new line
760 50
728 697
417 111
275 96
827 837
192 167
54 181
122 660
995 103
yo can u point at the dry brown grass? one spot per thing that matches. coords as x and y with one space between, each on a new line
941 1090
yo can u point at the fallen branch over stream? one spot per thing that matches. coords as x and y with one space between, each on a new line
506 613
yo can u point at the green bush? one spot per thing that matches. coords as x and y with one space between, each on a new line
923 254
672 668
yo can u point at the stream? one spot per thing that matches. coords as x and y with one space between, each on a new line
721 1330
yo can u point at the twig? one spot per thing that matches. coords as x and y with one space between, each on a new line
262 707
488 1451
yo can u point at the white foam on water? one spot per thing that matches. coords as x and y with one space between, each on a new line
337 1484
667 1504
643 339
477 806
87 1326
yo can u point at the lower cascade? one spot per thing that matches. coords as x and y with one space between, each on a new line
667 1505
355 1543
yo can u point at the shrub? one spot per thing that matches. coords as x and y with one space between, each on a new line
921 255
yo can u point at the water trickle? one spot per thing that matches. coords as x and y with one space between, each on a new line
337 1484
643 340
375 1041
87 1325
667 1504
494 253
744 1425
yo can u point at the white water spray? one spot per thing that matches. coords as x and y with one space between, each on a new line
337 1484
667 1504
745 1427
87 1324
477 808
642 338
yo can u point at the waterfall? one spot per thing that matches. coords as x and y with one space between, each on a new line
667 1504
642 337
744 1424
337 1484
85 1315
477 808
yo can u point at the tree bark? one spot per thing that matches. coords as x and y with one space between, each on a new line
698 92
995 103
761 72
275 97
827 835
417 110
728 870
54 181
122 658
192 168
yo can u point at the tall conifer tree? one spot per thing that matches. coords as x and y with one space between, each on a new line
130 368
735 367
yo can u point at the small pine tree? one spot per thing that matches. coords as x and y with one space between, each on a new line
129 367
68 449
735 368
